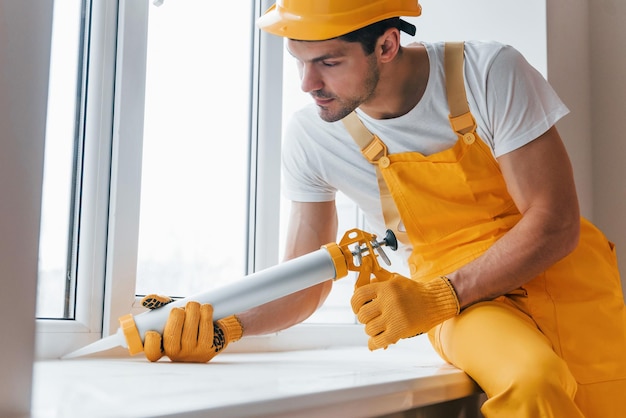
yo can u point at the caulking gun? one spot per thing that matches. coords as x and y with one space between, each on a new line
331 262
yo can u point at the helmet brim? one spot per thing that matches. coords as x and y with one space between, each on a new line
321 27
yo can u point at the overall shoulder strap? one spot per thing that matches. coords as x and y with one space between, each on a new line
461 119
371 145
373 149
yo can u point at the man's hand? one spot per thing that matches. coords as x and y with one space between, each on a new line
190 335
399 307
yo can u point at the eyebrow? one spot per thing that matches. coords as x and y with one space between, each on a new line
321 57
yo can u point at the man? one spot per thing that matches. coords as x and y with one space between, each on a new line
511 284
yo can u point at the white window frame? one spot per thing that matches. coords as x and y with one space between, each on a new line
128 120
57 337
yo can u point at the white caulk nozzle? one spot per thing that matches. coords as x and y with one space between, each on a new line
115 340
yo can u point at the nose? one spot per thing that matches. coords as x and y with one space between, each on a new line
310 79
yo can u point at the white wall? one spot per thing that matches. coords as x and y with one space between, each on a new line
25 28
569 73
607 57
586 65
458 20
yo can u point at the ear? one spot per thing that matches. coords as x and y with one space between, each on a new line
388 45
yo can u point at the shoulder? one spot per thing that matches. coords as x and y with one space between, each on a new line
475 50
494 68
484 48
486 56
481 57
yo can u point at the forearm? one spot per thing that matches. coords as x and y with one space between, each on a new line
284 312
538 241
311 225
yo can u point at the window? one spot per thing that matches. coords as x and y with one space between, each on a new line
77 177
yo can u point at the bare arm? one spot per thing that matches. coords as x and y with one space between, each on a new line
311 225
540 181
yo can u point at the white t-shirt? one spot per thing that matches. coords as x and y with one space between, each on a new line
511 102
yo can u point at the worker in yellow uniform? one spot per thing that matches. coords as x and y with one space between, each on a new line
510 283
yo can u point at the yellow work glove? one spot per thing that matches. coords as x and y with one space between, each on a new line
397 307
190 335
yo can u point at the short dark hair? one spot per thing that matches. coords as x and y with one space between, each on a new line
368 35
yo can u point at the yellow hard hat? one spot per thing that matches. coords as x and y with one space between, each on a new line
317 20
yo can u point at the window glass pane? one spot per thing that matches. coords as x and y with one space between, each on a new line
56 286
195 149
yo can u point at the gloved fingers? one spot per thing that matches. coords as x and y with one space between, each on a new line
362 296
173 332
154 301
371 345
152 346
375 327
385 338
369 311
378 333
190 327
205 334
377 342
381 334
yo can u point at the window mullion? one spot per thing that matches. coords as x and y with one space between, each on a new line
265 150
128 122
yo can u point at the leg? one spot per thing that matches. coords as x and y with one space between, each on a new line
511 360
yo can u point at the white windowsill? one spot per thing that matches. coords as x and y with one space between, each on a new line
339 381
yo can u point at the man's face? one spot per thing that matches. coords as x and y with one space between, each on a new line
337 74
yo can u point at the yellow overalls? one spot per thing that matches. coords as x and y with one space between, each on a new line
561 336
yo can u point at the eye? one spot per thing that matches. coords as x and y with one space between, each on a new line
330 63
